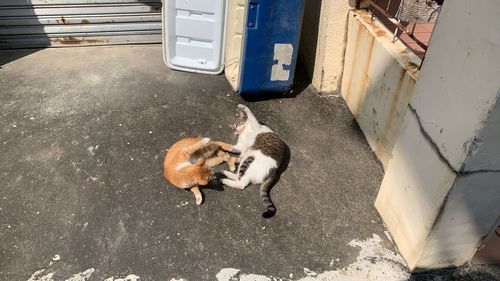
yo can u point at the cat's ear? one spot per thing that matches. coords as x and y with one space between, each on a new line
248 114
242 110
241 114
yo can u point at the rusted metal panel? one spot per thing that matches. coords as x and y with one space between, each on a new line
44 23
68 10
68 2
80 19
378 80
84 28
77 34
69 41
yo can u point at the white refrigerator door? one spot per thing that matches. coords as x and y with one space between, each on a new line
194 34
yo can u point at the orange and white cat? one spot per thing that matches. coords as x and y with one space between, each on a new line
188 163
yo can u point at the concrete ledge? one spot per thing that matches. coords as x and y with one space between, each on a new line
378 81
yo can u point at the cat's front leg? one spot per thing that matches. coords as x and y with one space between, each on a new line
228 147
239 184
237 148
229 175
197 194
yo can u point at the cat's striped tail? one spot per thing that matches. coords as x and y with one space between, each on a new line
265 188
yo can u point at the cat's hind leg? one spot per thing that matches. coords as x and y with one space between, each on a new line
214 161
231 161
224 146
239 184
192 148
197 194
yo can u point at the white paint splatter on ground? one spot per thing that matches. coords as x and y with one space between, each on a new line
90 149
374 263
130 277
82 276
309 272
254 277
226 274
37 276
182 204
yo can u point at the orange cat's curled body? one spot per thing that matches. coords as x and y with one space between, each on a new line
188 163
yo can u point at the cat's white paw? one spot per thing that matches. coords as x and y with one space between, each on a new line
229 175
235 150
232 183
199 200
241 106
205 140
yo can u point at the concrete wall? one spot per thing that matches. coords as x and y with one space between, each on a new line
332 35
440 196
484 154
378 80
469 215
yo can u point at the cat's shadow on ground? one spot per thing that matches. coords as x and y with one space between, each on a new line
215 182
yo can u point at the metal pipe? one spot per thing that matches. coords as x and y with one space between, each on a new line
388 6
413 28
389 17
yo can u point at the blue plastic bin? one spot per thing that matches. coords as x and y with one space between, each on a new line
261 55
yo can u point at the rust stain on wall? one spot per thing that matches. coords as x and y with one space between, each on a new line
378 32
69 40
383 141
364 79
155 9
353 65
410 66
404 52
378 105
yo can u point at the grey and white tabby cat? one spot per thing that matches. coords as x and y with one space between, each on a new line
262 154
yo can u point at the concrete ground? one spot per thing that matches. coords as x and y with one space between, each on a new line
83 132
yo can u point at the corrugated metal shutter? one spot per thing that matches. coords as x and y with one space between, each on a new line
43 23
